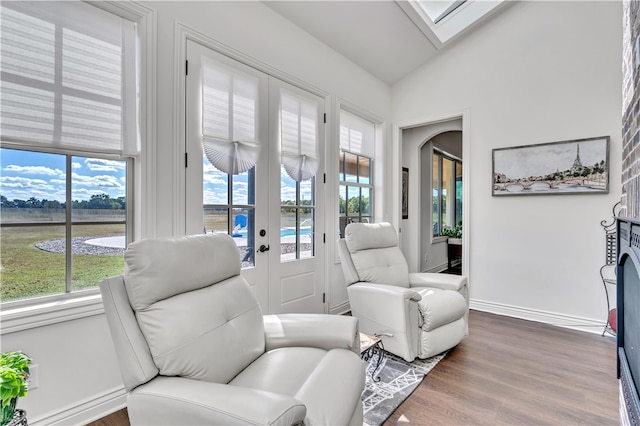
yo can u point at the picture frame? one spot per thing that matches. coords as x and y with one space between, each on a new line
579 166
405 193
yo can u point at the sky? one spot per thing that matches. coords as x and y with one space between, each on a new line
539 160
25 174
215 186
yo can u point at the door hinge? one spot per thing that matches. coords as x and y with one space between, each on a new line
186 67
325 118
324 178
324 297
324 238
186 160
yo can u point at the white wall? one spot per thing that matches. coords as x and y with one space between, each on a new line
537 72
79 375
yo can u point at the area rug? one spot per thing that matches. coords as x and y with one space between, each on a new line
397 380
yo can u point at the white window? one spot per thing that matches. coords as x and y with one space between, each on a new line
446 192
356 189
69 138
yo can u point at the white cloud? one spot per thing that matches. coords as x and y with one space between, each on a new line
101 165
99 181
22 188
75 165
33 170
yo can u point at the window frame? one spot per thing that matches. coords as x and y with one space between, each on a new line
450 215
35 312
346 218
68 223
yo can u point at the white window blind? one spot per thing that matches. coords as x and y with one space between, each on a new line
229 117
357 135
299 136
68 72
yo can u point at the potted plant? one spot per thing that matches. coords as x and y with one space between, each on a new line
14 372
454 234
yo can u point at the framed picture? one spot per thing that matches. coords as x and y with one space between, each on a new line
405 193
578 166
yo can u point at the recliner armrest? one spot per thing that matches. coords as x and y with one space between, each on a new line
311 330
437 280
178 400
387 290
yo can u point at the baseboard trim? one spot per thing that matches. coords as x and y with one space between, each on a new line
552 318
340 309
87 411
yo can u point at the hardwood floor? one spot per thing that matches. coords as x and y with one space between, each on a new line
516 372
510 372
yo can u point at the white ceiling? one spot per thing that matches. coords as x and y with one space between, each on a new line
387 38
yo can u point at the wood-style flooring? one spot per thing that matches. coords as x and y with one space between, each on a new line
510 372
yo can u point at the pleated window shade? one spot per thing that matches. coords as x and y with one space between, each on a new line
229 104
357 135
299 136
229 117
68 77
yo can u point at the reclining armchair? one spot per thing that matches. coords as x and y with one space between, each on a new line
415 314
194 347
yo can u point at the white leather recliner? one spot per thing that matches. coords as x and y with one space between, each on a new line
194 347
415 314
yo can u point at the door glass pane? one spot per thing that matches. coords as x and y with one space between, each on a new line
306 232
215 184
243 234
216 219
287 188
341 166
288 246
240 187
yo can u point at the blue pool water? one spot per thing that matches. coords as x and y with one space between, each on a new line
284 232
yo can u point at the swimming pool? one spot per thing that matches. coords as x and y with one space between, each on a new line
284 232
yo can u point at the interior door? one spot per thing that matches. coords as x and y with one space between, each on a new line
226 118
273 209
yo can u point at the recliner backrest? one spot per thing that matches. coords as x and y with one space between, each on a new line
199 317
375 254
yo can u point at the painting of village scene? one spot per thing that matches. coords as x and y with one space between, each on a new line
569 167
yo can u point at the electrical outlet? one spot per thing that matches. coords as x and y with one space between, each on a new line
34 374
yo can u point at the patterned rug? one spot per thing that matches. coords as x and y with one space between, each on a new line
398 379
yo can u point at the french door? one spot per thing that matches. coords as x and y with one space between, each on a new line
254 145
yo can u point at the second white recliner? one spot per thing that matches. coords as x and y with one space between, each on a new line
417 315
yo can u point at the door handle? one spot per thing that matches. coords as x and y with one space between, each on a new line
263 248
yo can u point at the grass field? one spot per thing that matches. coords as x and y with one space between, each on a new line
27 271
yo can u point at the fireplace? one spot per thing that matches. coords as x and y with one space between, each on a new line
628 308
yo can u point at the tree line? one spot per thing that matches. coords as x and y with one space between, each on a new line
100 201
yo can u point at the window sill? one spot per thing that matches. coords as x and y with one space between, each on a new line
438 240
34 316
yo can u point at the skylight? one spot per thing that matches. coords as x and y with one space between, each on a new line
443 20
438 9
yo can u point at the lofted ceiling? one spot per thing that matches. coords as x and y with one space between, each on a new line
387 38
